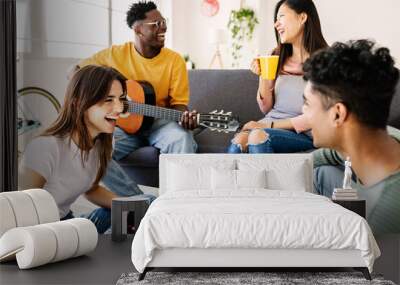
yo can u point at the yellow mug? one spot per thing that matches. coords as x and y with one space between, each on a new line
268 66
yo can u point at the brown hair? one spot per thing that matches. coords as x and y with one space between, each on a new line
313 39
89 86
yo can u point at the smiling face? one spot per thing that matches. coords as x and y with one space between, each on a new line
289 24
101 117
151 31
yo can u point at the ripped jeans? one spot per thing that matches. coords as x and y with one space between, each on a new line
278 141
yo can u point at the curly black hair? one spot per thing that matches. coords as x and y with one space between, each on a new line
362 77
138 11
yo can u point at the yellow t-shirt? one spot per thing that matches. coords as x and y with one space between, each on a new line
166 72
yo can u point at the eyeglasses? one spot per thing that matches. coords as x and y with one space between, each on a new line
158 24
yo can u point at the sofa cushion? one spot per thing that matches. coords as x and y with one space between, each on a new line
228 90
143 157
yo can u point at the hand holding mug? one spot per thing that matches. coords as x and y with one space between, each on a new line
255 66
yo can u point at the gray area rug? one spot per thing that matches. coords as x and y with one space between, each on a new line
229 278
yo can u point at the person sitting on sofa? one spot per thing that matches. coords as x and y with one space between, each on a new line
146 59
347 101
298 33
72 155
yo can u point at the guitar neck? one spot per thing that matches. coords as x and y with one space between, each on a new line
154 111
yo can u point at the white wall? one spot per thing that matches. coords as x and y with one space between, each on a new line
341 20
53 34
354 19
191 30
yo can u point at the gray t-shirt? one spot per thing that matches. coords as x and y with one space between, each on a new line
288 93
60 163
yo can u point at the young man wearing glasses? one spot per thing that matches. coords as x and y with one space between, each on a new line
347 101
146 59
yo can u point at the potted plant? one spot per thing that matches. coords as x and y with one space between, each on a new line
241 24
189 63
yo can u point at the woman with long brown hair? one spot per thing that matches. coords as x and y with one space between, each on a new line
298 34
71 156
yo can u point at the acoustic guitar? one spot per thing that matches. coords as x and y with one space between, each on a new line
140 112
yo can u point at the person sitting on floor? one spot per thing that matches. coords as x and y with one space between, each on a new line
347 101
71 156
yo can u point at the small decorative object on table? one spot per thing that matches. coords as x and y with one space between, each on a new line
119 209
189 63
346 196
346 192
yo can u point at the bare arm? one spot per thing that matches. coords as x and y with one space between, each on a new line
28 179
265 95
100 196
285 124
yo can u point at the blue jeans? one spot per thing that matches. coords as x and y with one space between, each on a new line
278 141
101 218
165 135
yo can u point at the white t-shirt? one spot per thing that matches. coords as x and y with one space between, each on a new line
60 163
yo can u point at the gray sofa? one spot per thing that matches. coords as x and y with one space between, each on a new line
230 90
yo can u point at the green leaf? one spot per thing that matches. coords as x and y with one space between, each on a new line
241 24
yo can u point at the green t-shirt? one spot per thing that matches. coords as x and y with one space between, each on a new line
383 198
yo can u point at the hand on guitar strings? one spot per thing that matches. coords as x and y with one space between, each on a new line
189 120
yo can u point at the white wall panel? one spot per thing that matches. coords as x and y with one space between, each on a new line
24 32
75 22
100 3
120 31
378 20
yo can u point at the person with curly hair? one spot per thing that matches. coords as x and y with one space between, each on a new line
146 59
283 129
348 94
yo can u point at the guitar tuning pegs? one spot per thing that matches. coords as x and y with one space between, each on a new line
221 112
229 114
213 112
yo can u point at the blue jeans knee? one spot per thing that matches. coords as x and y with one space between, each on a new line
234 148
282 141
101 218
